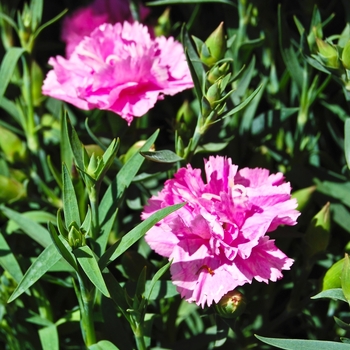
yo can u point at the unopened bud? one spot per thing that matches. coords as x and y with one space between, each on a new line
231 305
217 72
164 26
345 57
75 238
214 47
328 54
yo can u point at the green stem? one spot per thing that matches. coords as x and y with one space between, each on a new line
86 302
93 199
140 341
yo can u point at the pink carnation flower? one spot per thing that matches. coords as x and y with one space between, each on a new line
119 68
84 20
218 240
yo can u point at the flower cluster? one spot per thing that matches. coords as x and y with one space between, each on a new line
83 21
119 68
218 240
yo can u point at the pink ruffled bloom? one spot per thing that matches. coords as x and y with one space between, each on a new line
218 240
83 21
119 68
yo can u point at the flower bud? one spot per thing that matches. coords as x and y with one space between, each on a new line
214 47
164 26
12 146
11 190
217 72
317 235
213 94
328 54
303 196
75 238
231 305
345 57
186 113
37 78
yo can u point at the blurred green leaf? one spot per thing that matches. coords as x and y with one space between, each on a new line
7 67
8 260
28 226
103 345
156 277
300 344
49 338
347 141
178 2
345 278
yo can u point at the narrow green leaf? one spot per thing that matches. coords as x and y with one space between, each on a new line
49 338
89 264
66 151
160 290
335 293
345 278
54 172
11 108
347 141
163 156
7 67
28 226
37 11
156 277
75 144
8 261
110 201
288 54
300 344
64 249
40 266
135 234
70 202
103 345
243 104
53 20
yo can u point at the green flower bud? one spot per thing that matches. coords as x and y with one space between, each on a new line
12 146
164 25
186 113
96 149
303 196
75 238
317 235
37 82
11 190
213 94
345 57
217 72
231 305
328 54
214 47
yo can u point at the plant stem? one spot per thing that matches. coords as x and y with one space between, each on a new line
140 341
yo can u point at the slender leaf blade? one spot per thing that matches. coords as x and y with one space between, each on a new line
89 264
40 266
49 338
300 344
135 234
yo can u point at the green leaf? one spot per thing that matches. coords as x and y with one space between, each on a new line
345 278
70 202
8 65
347 141
135 234
288 54
89 264
8 261
37 10
164 156
53 20
49 338
40 266
300 344
332 278
103 345
156 277
160 290
335 293
110 201
62 246
30 227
